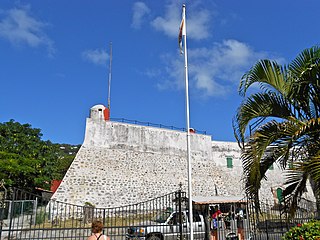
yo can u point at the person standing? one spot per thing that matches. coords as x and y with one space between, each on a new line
214 223
96 228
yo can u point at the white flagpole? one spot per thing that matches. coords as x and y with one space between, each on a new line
109 80
184 35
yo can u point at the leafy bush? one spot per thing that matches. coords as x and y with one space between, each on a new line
40 217
305 231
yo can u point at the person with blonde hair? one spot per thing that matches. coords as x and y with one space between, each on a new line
96 228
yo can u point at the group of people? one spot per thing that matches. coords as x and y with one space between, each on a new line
96 228
217 214
225 219
229 215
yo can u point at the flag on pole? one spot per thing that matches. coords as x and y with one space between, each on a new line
182 32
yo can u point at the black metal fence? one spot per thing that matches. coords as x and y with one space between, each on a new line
273 220
30 216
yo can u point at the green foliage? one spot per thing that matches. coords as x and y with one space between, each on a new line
20 139
279 123
305 231
22 207
65 155
89 204
16 170
26 161
41 217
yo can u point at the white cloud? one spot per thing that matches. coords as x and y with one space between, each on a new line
198 21
140 10
18 26
213 71
97 56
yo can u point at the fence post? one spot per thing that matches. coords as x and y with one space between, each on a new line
266 219
11 209
104 219
180 214
1 216
2 206
255 217
34 210
286 214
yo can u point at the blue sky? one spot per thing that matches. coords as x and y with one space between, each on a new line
54 59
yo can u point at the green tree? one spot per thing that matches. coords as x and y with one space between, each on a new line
16 170
284 110
26 161
62 165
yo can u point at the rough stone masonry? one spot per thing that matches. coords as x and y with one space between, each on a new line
121 164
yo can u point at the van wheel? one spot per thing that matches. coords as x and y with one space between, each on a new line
154 237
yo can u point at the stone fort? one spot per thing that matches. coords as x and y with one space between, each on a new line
120 164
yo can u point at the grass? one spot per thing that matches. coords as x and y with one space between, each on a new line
43 222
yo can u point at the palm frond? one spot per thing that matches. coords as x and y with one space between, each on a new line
306 84
295 183
257 107
312 167
308 129
268 74
303 62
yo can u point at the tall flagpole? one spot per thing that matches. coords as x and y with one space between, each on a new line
184 35
109 80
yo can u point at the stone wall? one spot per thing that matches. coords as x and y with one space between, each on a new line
120 164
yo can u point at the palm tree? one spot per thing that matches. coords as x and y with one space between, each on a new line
285 110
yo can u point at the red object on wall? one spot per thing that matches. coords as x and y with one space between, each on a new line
191 130
106 114
54 185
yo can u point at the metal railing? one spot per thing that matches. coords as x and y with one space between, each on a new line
123 120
